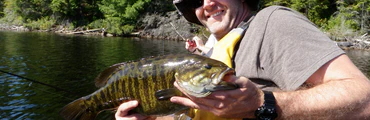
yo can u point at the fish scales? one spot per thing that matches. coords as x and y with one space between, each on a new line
144 79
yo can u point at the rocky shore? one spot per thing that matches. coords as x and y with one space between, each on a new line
13 27
360 42
172 26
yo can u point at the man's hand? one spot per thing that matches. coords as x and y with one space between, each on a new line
194 44
238 103
124 108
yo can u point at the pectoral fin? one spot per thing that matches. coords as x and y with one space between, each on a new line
166 94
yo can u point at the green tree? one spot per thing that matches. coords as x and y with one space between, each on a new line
159 7
313 9
345 21
33 9
318 11
120 16
11 15
79 12
266 3
1 8
63 8
21 12
363 16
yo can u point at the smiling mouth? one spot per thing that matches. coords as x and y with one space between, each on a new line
216 14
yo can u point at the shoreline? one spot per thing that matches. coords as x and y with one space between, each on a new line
354 43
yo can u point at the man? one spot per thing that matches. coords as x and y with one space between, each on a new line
280 51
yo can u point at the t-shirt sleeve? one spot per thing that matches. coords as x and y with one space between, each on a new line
293 48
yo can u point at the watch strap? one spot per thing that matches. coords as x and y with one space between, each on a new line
268 110
269 99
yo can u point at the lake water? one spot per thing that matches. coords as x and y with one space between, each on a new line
66 66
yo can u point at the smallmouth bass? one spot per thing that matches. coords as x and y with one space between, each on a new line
150 81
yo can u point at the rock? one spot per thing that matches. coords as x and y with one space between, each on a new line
344 44
159 26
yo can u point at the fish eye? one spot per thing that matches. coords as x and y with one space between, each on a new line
208 66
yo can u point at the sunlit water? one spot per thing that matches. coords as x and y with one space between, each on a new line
361 59
69 64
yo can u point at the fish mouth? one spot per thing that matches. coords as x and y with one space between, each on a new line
216 84
220 83
227 71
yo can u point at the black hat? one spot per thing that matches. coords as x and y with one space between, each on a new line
185 7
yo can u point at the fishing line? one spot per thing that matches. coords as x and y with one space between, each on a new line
50 92
48 85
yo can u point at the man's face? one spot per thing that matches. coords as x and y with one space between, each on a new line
220 16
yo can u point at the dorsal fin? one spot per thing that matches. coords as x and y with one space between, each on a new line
103 77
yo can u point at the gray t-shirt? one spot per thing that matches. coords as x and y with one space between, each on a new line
281 49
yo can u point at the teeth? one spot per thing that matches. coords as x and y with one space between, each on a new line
216 14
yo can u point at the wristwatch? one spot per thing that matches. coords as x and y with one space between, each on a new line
268 110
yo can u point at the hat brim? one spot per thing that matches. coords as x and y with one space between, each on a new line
185 9
183 6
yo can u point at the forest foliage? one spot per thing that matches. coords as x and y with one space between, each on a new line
339 18
336 17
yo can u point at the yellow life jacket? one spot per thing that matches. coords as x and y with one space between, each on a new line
223 51
224 48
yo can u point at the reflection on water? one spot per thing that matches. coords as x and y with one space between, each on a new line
13 99
67 62
71 63
361 59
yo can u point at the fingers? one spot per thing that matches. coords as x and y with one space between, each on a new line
242 82
198 41
150 118
184 101
230 96
206 103
190 47
211 105
217 99
187 44
189 101
124 108
226 103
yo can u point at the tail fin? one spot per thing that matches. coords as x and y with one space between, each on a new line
77 110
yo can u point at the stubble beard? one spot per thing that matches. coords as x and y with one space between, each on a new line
220 29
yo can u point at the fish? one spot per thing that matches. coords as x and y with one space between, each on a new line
151 82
